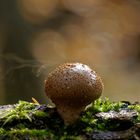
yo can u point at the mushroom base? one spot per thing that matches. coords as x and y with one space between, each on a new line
69 114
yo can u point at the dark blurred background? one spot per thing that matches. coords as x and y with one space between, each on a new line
38 35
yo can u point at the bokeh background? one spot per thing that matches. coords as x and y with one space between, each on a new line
38 35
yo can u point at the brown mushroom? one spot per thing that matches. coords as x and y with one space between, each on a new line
71 87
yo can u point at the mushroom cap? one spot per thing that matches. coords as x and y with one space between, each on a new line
73 86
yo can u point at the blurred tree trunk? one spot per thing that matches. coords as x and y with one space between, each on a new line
19 81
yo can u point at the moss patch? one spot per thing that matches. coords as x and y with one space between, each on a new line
33 121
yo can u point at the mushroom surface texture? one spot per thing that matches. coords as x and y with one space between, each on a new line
71 87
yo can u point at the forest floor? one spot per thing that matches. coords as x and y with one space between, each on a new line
102 119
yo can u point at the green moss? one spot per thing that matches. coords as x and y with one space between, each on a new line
37 121
137 108
25 133
71 138
34 133
22 111
2 131
104 105
100 105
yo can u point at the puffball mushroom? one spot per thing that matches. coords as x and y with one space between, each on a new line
71 87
